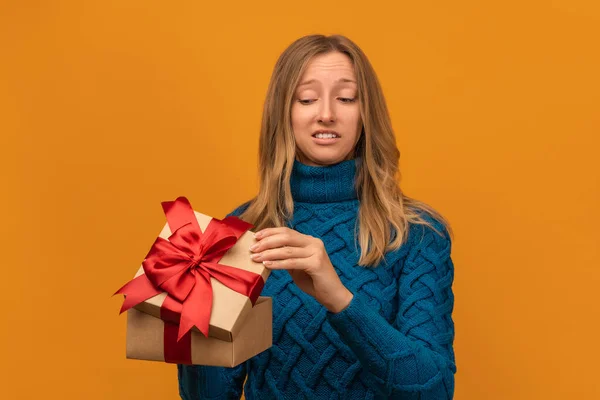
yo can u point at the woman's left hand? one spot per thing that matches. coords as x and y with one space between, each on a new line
305 258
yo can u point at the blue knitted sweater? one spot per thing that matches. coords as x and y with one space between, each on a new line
393 341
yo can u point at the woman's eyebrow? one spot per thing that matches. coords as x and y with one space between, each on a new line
341 80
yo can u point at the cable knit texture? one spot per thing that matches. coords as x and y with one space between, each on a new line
394 340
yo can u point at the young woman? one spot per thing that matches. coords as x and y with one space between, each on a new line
361 276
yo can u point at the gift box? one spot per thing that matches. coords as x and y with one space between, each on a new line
198 275
148 339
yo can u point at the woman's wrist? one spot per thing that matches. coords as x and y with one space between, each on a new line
340 301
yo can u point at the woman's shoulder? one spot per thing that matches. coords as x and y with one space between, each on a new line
239 210
432 231
429 243
425 233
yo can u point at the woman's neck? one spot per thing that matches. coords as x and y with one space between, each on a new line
326 184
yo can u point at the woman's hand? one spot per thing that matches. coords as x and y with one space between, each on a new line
305 258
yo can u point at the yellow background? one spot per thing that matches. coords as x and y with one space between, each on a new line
110 107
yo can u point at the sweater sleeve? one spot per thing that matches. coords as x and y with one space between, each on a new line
413 356
215 383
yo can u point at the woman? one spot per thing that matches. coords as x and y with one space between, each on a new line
361 274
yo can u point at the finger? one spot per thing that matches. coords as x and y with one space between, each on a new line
281 253
290 263
284 238
263 233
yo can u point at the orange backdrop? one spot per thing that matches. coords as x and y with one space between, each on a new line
108 108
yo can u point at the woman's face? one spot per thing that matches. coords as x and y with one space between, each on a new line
325 112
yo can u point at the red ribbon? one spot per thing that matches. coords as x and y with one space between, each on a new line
183 265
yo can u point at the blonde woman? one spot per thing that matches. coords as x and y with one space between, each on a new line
361 275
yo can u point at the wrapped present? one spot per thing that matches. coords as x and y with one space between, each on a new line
150 338
198 274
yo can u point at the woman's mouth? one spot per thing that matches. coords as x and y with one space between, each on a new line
326 138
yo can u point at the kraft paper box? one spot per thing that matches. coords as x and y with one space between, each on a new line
229 307
145 338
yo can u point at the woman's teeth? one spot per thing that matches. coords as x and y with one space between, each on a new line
325 136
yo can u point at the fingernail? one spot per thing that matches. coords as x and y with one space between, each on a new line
257 235
267 263
255 256
254 247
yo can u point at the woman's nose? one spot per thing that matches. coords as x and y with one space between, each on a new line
326 112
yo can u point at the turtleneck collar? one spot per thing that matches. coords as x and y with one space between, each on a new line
328 184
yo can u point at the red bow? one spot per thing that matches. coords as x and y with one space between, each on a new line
183 265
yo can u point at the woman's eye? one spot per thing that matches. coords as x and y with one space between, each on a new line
342 99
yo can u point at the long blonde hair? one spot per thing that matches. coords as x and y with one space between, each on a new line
385 213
